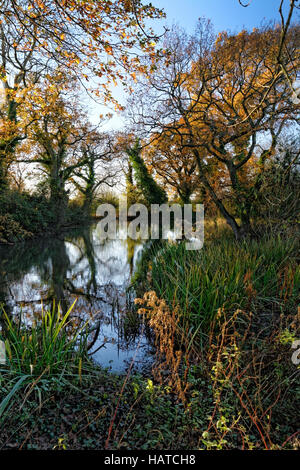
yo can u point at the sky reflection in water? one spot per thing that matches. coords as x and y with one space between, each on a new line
79 266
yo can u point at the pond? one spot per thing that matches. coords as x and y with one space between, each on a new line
79 265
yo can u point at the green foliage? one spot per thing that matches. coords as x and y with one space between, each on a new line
32 213
23 215
134 195
150 190
11 231
106 197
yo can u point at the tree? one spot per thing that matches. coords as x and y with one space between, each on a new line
151 191
122 142
174 164
57 130
15 77
87 38
17 177
98 169
282 48
81 36
212 91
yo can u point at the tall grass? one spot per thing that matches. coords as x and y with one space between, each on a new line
224 319
48 345
50 351
256 275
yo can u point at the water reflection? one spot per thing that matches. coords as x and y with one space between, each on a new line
81 266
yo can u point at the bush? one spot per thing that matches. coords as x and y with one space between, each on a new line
23 215
33 213
11 231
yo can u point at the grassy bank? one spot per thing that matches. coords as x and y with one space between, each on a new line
260 276
225 319
53 397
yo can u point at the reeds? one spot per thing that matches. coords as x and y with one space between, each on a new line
51 349
224 274
49 343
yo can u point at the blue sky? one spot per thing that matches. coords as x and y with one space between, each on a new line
225 15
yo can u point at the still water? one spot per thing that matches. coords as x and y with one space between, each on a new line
80 266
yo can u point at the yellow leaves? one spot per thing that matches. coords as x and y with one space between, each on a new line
119 107
8 129
133 75
40 4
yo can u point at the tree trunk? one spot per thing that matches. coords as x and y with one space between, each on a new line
58 199
87 204
3 177
4 149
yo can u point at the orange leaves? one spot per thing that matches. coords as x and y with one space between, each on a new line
75 33
128 5
108 49
36 3
8 129
165 324
133 75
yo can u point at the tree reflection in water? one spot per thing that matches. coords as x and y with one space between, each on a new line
81 266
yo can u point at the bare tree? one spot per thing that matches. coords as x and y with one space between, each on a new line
100 168
289 74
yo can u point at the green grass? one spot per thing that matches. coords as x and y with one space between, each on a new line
225 274
239 360
48 344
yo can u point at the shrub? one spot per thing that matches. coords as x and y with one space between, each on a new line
24 215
